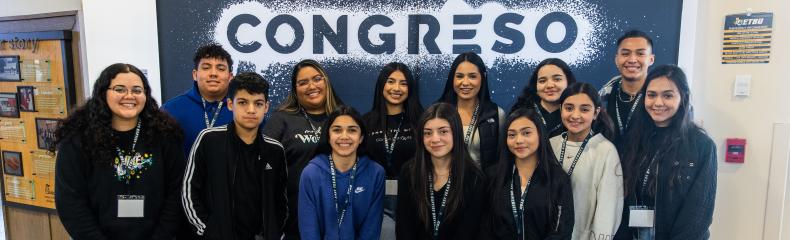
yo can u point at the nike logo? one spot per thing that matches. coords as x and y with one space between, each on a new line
359 190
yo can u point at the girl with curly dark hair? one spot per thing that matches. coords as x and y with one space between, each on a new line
119 162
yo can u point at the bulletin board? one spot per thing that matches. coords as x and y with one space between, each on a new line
36 91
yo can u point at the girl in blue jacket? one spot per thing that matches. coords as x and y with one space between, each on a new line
341 189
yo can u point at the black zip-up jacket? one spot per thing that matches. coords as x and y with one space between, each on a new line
208 178
489 130
541 219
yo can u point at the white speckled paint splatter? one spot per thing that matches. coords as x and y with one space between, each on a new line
588 45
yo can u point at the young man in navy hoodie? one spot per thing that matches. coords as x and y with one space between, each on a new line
234 182
203 106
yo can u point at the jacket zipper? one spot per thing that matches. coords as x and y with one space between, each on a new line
559 215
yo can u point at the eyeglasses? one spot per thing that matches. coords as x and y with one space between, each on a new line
314 79
123 90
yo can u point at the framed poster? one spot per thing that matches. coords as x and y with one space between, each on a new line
12 163
8 105
9 69
25 98
45 132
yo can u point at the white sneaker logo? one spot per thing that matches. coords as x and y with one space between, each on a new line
268 167
359 190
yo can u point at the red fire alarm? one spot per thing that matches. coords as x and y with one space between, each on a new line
736 150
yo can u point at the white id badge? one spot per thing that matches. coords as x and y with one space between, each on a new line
640 217
130 206
391 188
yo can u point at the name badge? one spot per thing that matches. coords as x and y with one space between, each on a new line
640 216
131 206
391 188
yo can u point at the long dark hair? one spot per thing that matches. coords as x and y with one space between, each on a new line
460 164
412 109
291 103
529 95
92 123
323 144
504 171
483 96
603 123
643 145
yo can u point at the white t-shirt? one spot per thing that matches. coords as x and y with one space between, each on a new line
597 182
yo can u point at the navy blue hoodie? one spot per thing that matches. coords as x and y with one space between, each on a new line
317 212
188 110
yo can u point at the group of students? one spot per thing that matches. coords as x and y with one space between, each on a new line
557 166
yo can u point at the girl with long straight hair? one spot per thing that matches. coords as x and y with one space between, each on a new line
297 125
341 189
119 162
481 118
670 164
530 193
543 91
441 191
396 111
390 130
592 162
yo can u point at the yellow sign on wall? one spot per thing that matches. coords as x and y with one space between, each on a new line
747 38
33 100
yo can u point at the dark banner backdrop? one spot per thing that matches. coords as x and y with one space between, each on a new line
353 39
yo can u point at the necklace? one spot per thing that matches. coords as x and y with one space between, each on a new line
472 125
578 154
630 97
437 216
620 125
518 213
304 113
341 213
216 113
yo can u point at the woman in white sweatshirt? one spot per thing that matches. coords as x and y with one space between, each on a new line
592 162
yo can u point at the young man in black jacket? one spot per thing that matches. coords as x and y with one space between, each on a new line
620 95
234 183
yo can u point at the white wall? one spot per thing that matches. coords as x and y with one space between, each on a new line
742 188
28 7
121 31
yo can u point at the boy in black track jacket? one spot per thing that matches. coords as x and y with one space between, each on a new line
234 184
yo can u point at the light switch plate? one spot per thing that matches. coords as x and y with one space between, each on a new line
742 86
